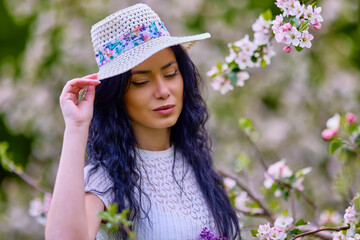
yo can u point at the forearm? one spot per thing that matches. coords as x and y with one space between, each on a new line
67 211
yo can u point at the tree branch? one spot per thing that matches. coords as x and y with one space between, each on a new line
321 229
262 205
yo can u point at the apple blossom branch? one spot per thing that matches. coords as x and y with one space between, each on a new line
320 230
291 28
238 181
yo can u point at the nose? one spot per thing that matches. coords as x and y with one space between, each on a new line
162 90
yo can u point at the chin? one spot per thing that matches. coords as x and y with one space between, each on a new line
165 123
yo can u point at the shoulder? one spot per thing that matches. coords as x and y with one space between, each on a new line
98 181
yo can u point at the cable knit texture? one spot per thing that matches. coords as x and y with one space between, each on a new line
175 204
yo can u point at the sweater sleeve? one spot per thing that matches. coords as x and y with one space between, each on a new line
99 183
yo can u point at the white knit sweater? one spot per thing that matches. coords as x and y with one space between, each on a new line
174 213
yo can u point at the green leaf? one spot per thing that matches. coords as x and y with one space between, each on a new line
299 49
219 65
254 232
285 213
232 77
242 162
353 128
295 231
304 25
263 63
356 202
245 124
267 15
301 222
6 162
334 145
285 195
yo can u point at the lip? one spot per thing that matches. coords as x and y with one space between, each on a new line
165 109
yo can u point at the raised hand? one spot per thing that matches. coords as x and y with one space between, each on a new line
78 114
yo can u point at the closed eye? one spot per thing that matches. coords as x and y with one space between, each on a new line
139 83
172 74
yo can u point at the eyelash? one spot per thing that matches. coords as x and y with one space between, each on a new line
172 75
169 76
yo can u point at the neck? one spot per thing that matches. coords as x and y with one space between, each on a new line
152 139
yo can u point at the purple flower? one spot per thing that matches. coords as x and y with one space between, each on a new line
206 234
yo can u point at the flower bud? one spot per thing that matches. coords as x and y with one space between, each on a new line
287 49
317 26
350 118
328 134
286 27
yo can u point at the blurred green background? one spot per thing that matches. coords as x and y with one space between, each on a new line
44 43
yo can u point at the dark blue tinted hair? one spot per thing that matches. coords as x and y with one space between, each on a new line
111 144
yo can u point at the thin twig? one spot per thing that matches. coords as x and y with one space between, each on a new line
257 152
321 229
292 199
29 180
263 163
262 205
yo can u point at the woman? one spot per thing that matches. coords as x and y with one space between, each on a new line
147 147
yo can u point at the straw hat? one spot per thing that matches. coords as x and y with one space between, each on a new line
128 37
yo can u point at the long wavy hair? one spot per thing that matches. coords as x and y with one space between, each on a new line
112 145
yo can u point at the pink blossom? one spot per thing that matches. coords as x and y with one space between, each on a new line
277 233
212 72
242 76
317 26
268 53
244 61
316 14
306 38
280 37
313 15
327 134
261 25
297 10
350 117
285 5
287 27
261 38
222 84
264 231
333 122
293 37
275 171
231 56
278 21
247 47
40 208
287 49
351 216
283 222
241 200
229 183
339 236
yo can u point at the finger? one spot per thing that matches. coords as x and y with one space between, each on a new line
92 76
75 85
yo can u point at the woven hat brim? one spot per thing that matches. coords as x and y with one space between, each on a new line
134 56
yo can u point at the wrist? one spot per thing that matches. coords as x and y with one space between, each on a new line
77 128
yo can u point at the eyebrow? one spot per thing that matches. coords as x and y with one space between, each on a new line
149 71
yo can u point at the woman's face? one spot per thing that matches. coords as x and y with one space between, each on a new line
155 97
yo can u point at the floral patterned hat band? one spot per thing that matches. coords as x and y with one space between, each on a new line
130 36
